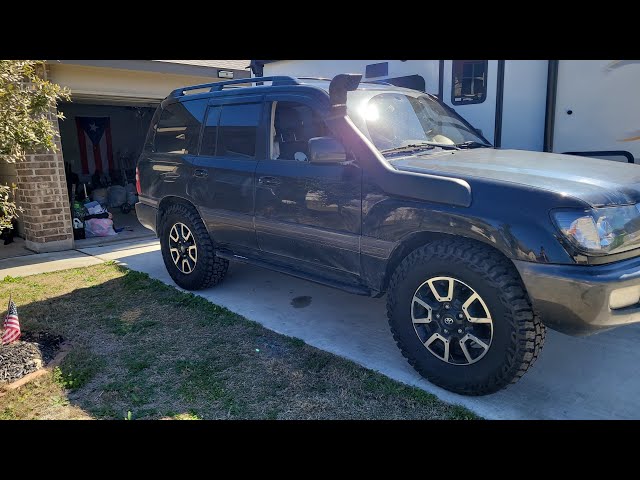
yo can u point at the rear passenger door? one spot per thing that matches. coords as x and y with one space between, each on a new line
223 176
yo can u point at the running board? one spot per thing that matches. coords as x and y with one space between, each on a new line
296 273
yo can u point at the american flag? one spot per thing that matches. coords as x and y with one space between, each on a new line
11 325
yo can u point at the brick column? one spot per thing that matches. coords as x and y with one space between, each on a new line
42 193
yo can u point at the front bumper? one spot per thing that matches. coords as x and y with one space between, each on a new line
584 299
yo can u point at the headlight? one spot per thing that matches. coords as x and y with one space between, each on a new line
601 231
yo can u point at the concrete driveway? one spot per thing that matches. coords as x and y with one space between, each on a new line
575 378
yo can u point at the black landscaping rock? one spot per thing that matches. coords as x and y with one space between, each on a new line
47 343
27 355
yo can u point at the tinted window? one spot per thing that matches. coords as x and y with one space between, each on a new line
293 125
469 81
179 128
238 130
210 134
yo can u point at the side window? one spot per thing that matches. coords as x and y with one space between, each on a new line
292 125
238 130
179 127
469 81
210 134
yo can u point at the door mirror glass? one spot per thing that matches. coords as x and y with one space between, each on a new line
326 150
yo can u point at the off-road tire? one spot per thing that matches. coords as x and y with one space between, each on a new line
209 269
518 334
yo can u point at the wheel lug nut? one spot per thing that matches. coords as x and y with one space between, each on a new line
447 307
446 331
459 330
437 315
460 315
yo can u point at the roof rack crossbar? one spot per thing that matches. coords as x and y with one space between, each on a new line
218 86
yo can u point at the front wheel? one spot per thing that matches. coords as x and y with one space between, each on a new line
460 315
187 249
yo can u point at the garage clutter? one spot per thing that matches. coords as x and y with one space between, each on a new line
90 211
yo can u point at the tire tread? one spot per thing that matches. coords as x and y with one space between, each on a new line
530 332
215 267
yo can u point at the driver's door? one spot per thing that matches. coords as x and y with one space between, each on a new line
307 214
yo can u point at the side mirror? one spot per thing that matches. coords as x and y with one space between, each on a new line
326 150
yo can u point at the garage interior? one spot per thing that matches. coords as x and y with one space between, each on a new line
119 141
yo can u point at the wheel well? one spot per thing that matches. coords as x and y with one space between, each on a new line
165 203
418 240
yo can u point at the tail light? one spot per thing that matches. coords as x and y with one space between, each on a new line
138 189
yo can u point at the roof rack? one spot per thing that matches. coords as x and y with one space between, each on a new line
218 86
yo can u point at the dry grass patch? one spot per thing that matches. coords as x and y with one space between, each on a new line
143 347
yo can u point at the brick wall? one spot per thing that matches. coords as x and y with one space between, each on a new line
42 193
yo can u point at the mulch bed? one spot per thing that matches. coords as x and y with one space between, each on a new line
30 353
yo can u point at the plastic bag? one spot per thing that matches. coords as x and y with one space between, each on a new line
117 195
99 227
100 195
94 208
132 198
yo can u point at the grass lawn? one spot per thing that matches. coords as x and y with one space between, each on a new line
144 350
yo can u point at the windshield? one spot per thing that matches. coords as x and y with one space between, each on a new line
395 120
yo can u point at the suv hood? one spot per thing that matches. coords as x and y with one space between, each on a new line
597 182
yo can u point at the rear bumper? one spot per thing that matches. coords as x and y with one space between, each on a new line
147 215
583 299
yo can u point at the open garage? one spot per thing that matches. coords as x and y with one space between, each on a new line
101 137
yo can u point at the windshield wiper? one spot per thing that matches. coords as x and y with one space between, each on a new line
418 146
473 144
407 148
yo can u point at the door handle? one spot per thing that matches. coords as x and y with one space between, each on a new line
269 181
200 173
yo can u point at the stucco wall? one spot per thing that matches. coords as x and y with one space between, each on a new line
110 82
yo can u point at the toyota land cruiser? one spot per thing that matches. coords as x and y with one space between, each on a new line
376 190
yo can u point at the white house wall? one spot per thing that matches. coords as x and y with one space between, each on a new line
524 104
604 101
330 68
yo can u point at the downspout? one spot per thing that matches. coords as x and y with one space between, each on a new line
550 114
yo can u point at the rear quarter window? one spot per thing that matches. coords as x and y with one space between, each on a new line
178 129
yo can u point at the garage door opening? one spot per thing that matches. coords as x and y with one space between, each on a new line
101 143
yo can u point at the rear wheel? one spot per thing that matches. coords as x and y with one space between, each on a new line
460 315
187 249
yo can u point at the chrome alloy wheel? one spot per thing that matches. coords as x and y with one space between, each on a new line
183 249
452 320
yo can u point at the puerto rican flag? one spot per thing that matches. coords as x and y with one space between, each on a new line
94 137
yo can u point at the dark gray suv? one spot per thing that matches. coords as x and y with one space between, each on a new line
376 189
